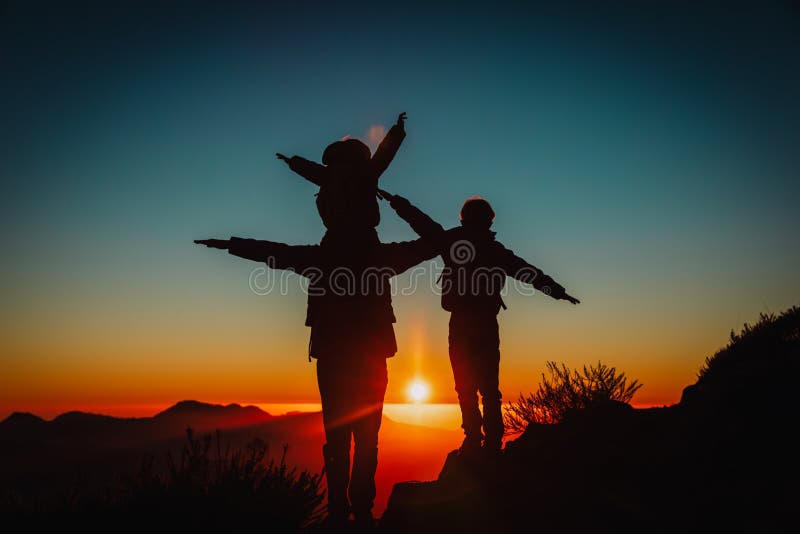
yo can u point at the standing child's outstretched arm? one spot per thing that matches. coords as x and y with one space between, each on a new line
310 170
523 271
388 148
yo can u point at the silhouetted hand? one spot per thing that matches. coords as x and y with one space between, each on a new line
401 119
281 156
385 195
214 243
396 201
570 298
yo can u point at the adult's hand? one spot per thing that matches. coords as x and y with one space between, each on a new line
222 244
401 119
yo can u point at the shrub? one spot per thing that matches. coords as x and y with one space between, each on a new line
566 389
201 491
770 346
228 489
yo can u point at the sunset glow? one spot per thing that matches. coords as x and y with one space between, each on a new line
218 218
650 231
419 391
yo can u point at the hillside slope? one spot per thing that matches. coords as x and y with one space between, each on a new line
722 458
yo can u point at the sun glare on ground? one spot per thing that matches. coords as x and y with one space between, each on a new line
418 391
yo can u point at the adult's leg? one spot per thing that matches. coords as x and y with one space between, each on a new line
371 389
460 348
336 451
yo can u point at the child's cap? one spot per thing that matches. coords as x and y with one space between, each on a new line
476 210
347 151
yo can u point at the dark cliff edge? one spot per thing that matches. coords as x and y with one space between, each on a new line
724 457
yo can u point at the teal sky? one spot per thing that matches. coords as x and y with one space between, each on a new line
647 159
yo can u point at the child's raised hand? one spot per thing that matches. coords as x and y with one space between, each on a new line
401 119
570 298
281 156
385 195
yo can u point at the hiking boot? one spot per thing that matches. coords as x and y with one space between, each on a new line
334 523
470 448
492 448
337 475
491 457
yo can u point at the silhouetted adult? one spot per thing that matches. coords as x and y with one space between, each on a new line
351 337
346 201
475 271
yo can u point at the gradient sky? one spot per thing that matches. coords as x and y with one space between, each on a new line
645 158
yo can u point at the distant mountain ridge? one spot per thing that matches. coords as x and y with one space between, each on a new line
80 440
200 414
196 414
39 456
193 406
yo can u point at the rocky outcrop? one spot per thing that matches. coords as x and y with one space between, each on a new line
724 458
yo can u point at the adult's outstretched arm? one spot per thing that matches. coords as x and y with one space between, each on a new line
401 256
297 258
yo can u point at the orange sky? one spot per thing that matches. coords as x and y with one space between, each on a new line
658 186
95 356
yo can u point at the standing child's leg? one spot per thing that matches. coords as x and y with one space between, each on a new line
464 374
489 385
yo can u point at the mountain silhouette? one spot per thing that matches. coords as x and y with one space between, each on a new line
174 420
35 452
201 415
723 458
75 447
22 422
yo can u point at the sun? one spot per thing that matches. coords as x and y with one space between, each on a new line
418 391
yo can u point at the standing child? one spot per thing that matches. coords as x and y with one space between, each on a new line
475 272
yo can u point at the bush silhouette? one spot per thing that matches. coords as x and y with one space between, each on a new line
228 488
771 342
565 390
201 491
